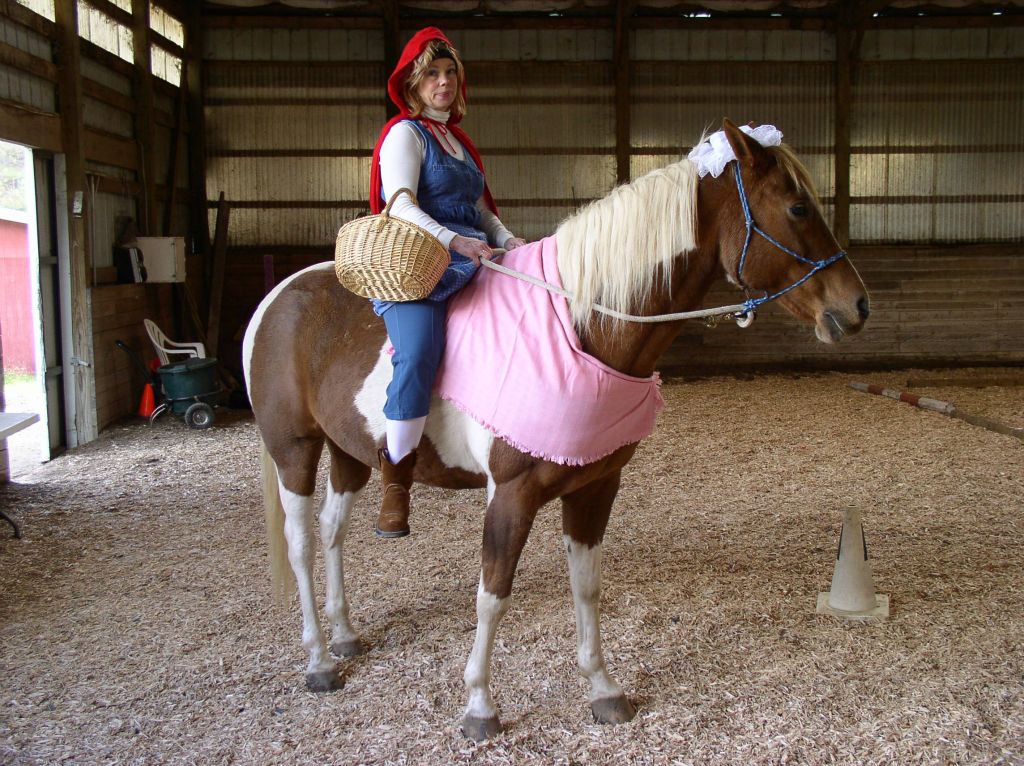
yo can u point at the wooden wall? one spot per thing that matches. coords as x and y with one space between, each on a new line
118 311
134 155
959 305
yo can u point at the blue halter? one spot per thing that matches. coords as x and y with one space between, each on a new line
753 303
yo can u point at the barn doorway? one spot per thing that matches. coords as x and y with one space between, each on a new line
29 314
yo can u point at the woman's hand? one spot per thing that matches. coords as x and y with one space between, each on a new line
513 242
473 249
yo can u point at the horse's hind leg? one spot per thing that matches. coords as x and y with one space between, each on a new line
584 518
348 478
296 467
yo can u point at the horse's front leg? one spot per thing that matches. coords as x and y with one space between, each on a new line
584 518
348 478
507 524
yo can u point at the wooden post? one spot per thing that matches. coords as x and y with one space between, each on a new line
145 127
74 233
220 245
843 96
198 208
622 71
180 105
392 46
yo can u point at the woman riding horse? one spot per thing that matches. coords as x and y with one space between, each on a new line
423 148
317 364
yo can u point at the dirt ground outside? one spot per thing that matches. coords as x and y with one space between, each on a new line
136 624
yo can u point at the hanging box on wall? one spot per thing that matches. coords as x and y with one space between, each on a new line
164 258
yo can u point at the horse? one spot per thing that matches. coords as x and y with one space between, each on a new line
316 366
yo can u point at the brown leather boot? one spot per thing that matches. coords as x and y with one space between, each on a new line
393 520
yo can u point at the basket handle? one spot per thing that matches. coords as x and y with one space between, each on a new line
387 207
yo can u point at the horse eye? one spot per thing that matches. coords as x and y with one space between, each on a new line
798 210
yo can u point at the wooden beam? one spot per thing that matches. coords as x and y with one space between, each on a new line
110 149
78 359
177 8
841 138
623 71
31 20
170 46
26 62
177 133
106 95
145 128
762 24
115 13
220 246
199 227
229 20
984 21
102 56
41 130
392 43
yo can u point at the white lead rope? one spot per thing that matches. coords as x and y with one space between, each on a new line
737 309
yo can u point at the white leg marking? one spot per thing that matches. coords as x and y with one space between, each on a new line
334 518
585 578
298 530
489 611
257 316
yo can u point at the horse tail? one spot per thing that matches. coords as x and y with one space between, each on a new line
281 576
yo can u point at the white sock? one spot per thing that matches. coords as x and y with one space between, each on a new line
403 436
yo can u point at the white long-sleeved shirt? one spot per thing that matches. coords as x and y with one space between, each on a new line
401 157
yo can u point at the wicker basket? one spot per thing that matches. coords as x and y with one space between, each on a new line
378 256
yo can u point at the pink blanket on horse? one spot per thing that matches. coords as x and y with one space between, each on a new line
514 363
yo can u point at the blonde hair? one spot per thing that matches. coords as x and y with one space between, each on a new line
610 251
419 71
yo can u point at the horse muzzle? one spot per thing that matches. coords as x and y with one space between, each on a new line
834 323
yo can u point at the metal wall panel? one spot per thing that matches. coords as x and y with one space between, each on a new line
248 44
674 104
937 145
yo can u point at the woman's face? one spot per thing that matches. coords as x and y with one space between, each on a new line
440 84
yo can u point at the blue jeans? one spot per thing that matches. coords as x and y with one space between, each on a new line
417 331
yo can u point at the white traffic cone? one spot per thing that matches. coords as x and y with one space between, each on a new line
853 594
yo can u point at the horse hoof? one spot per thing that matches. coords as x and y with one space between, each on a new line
480 729
351 648
324 680
612 710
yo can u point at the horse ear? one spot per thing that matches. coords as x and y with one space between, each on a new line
746 149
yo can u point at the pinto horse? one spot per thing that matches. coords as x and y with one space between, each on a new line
316 369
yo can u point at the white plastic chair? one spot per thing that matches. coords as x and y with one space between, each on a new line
165 346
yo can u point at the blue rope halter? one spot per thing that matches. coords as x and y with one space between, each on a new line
751 304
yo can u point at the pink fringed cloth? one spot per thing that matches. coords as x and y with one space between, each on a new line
514 363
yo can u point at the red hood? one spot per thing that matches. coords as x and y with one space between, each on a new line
412 51
396 91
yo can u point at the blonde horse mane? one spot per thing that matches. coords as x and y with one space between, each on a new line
610 250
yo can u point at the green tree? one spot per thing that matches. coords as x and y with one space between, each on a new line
12 176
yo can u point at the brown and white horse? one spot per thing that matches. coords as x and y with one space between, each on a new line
316 369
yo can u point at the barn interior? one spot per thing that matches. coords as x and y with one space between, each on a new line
228 140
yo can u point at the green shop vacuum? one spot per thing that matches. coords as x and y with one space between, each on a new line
189 388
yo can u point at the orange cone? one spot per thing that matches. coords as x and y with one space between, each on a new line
148 402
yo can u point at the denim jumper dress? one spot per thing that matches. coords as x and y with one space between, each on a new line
448 190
